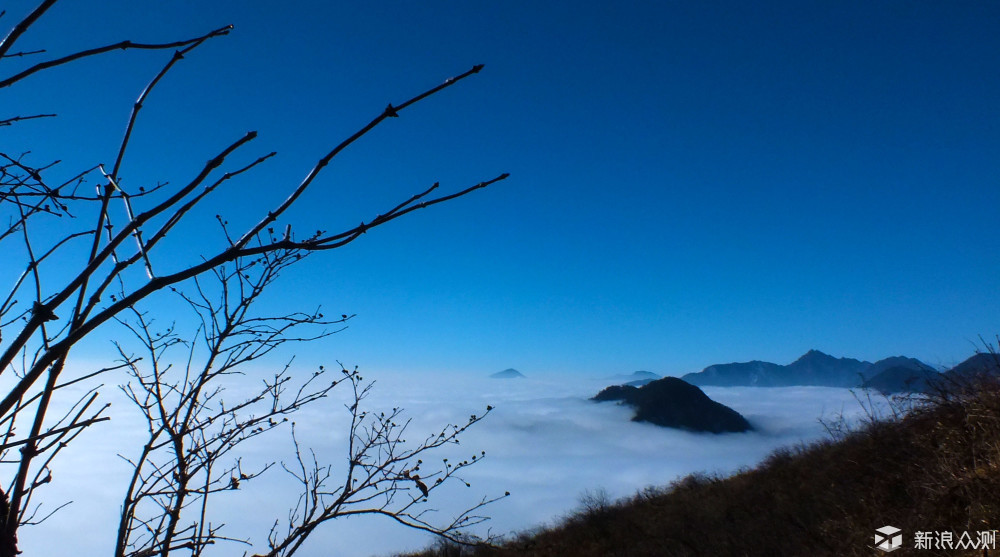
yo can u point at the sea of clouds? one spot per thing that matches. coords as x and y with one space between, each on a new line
545 443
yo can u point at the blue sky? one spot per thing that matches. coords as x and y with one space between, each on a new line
691 183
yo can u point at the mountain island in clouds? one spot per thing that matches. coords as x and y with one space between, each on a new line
509 373
673 402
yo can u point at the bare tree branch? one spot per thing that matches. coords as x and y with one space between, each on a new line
23 26
15 119
102 270
122 45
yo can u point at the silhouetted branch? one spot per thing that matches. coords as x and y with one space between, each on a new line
23 26
122 45
56 431
14 119
383 476
102 268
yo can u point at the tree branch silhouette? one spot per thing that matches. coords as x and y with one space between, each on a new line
102 270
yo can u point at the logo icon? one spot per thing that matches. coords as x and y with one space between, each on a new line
888 538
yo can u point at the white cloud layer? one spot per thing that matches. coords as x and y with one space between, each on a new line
545 443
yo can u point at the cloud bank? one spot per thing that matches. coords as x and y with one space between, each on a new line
545 442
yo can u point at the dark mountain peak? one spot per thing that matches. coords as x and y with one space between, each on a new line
902 379
981 363
672 402
756 372
902 361
818 368
897 361
509 373
813 353
915 376
816 357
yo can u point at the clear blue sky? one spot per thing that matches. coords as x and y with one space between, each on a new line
691 182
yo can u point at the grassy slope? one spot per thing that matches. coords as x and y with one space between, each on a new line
936 469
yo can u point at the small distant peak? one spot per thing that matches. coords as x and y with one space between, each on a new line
644 375
509 373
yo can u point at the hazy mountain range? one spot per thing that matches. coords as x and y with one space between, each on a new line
636 378
814 368
679 403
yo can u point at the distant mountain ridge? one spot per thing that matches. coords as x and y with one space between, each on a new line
897 379
814 368
636 378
